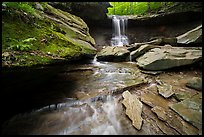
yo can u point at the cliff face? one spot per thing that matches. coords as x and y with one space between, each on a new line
88 11
41 38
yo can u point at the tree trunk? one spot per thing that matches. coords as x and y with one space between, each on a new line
149 9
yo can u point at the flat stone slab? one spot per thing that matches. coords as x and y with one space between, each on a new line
190 109
133 108
160 106
192 36
165 90
180 96
141 50
195 83
166 58
165 128
175 121
154 100
111 53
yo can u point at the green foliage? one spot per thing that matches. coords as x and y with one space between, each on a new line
24 45
29 40
25 59
136 8
23 6
39 36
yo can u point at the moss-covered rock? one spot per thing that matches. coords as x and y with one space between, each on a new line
52 33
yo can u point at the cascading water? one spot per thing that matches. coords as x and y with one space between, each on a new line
91 117
119 36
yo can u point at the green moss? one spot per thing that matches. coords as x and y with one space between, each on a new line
51 37
19 30
25 59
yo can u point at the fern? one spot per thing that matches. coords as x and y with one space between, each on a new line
24 45
24 6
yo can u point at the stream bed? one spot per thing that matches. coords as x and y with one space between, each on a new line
86 98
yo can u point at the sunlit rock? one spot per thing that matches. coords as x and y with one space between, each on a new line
133 109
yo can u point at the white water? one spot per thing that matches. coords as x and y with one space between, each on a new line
70 119
102 122
119 36
130 58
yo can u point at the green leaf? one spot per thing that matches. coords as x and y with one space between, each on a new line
29 40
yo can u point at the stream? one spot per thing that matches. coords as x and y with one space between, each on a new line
85 98
89 109
92 103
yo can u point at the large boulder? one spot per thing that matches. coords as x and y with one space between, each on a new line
111 53
166 58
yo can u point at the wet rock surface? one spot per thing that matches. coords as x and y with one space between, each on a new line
45 121
94 102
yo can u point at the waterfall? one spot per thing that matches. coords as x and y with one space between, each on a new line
119 36
130 58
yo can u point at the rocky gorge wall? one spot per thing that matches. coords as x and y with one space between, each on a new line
141 29
173 22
